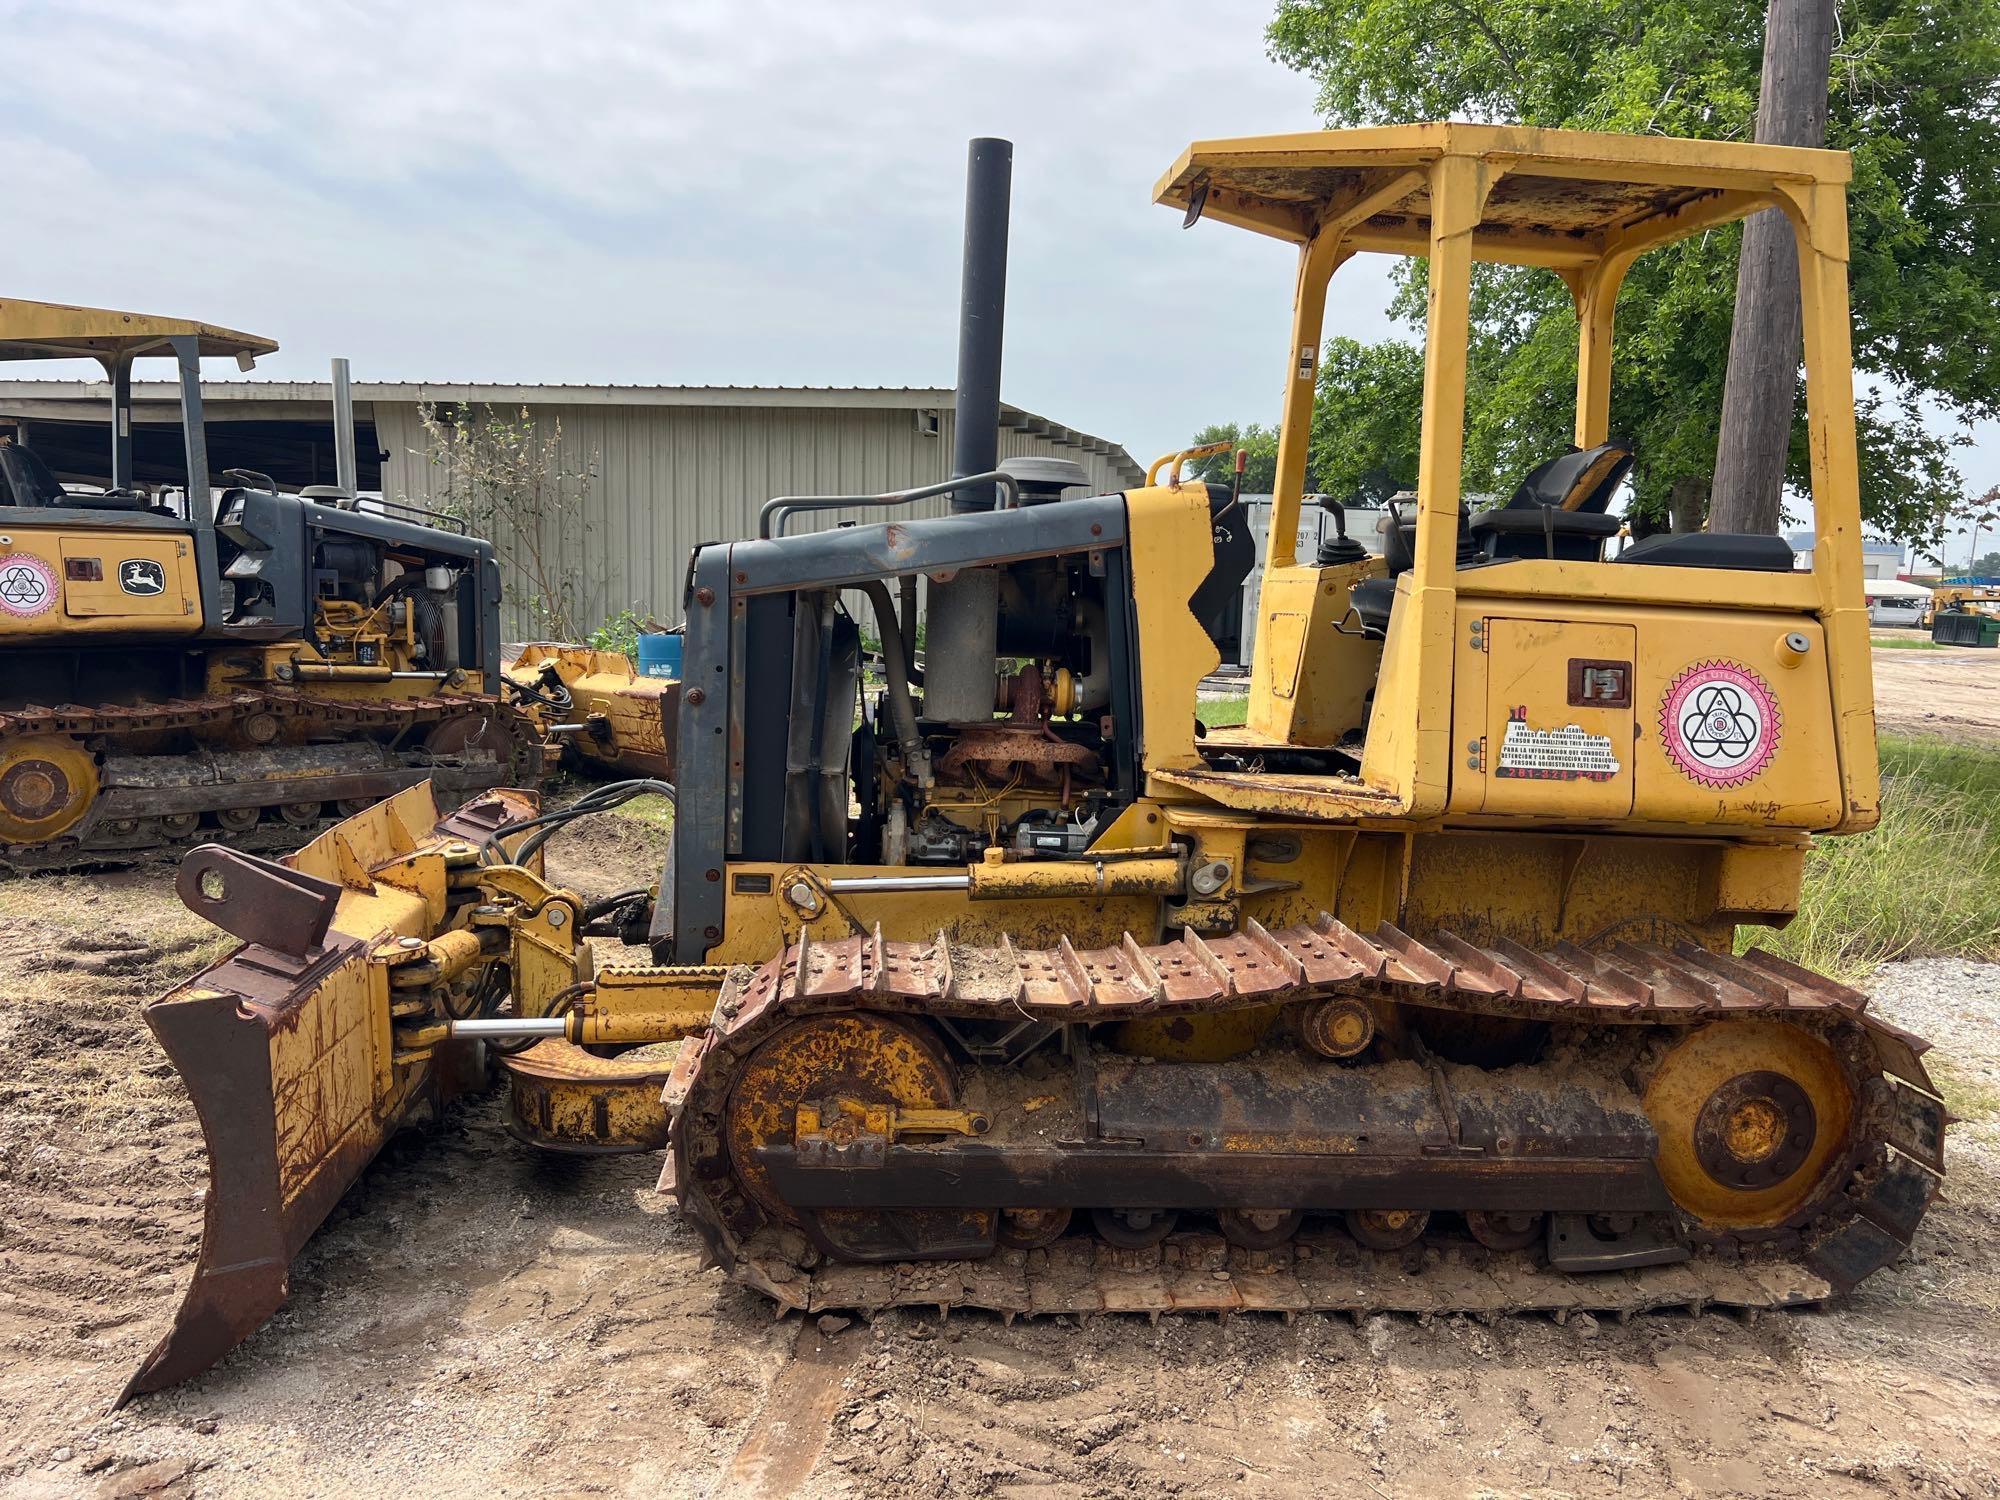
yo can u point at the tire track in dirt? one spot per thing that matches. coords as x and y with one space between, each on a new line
102 1166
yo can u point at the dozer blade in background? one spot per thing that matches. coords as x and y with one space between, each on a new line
286 1046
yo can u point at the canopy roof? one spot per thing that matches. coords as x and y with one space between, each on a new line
1565 197
1894 588
51 330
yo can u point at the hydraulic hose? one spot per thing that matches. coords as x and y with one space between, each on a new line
601 799
902 708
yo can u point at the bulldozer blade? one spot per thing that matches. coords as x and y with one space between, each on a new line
287 1050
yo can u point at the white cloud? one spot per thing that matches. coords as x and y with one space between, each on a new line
694 192
683 190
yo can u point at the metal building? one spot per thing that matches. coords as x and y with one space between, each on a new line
674 465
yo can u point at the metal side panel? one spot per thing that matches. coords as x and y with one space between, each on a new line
861 554
703 783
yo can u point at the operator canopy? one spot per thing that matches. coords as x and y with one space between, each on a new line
53 330
1566 197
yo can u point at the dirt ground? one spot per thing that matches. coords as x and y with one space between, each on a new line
1951 690
478 1320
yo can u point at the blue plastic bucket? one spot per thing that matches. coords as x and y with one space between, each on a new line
660 655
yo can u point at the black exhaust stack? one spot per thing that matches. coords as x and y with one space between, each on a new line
982 316
963 616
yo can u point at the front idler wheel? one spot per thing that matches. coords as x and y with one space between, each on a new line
1754 1119
859 1057
47 783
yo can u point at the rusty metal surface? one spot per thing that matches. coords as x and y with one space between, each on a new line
1004 749
562 1098
125 821
276 1045
1864 1219
257 900
1317 1272
1633 983
239 1277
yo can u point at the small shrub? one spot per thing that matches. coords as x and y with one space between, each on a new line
1924 882
621 633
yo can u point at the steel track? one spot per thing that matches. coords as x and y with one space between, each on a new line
1891 1172
301 717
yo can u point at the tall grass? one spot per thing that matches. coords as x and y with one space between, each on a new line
1925 881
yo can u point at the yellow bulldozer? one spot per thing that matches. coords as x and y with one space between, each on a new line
1009 985
182 658
595 709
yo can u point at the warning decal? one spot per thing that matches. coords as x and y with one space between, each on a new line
1719 723
27 584
1565 754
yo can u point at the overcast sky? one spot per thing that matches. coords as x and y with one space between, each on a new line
682 191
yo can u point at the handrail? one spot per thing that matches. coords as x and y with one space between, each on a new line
1202 450
775 513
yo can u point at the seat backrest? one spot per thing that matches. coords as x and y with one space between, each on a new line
25 479
1583 479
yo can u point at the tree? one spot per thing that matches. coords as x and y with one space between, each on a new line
1367 413
1365 417
508 479
1260 471
1913 85
1980 513
1760 391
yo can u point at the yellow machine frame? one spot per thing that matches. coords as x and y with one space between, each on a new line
1437 837
1585 206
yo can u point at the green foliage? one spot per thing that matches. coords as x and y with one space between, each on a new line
621 633
1925 881
1913 90
510 480
1260 468
1366 414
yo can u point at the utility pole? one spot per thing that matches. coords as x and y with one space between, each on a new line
1765 344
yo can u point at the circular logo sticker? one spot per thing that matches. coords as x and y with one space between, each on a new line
1719 723
27 584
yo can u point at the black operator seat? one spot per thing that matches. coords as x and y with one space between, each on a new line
25 480
1558 511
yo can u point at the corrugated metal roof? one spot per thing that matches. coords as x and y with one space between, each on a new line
671 466
497 393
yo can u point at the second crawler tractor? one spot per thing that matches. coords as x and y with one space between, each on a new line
1419 990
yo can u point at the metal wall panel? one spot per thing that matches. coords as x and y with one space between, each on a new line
672 477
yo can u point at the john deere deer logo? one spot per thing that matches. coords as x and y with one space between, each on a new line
141 575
